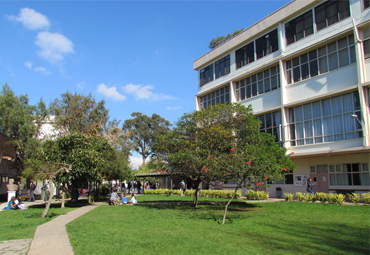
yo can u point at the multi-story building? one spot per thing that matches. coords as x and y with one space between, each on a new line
305 69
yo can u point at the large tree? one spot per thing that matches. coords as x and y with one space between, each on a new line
219 143
20 121
220 39
75 113
144 131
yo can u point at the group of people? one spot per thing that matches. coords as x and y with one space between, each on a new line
114 198
15 203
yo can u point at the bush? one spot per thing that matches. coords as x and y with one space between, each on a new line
202 193
355 197
340 198
366 198
313 198
288 196
321 196
332 198
257 195
299 196
307 197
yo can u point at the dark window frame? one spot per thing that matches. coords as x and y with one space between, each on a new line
245 55
366 4
331 12
300 25
206 75
222 66
267 44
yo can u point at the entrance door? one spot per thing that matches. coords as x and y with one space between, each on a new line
319 176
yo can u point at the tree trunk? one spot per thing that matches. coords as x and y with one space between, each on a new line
89 183
196 194
62 205
47 206
227 205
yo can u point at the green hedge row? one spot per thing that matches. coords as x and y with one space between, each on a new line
331 198
190 192
257 195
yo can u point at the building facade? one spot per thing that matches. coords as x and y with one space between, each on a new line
305 70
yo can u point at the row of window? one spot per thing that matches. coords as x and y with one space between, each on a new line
221 96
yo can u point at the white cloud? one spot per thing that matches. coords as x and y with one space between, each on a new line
81 85
110 92
144 92
31 19
174 107
136 162
53 46
28 64
39 69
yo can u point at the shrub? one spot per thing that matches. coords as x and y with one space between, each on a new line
366 198
288 196
340 198
307 197
189 192
299 196
257 195
355 197
321 196
313 198
332 198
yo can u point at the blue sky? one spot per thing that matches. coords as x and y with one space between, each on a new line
136 55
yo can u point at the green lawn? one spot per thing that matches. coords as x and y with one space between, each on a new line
252 228
22 224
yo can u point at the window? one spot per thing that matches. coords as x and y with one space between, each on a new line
366 4
232 182
288 178
258 84
221 96
331 12
244 55
206 75
365 36
299 28
271 123
267 44
322 60
325 121
222 66
352 175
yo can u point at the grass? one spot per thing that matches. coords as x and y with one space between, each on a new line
22 224
252 228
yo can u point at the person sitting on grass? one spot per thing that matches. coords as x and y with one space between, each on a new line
11 204
124 199
114 198
133 199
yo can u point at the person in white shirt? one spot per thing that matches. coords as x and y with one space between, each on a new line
133 199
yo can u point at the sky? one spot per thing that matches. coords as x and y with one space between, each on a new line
137 56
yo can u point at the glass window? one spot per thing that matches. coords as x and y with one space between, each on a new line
271 123
366 4
244 55
222 66
330 12
325 121
322 60
221 96
206 75
267 44
299 28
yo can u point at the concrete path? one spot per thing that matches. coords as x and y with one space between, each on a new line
52 237
19 247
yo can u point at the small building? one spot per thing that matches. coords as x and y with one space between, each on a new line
7 155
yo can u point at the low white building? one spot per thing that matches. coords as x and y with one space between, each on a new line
305 69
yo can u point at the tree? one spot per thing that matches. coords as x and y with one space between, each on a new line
20 121
204 146
144 131
79 114
220 39
119 139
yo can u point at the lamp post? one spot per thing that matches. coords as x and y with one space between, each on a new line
354 116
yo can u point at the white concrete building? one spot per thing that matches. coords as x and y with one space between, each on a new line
305 69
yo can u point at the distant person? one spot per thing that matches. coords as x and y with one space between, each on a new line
124 199
19 189
310 186
47 191
114 198
138 187
32 192
123 187
129 187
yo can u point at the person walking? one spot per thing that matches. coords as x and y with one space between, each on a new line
19 189
310 186
32 192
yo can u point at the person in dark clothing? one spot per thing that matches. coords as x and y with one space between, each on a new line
310 186
32 192
129 187
138 187
19 190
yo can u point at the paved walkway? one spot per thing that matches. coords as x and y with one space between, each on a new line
52 237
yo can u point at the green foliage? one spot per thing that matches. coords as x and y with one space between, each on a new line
322 197
299 196
20 121
366 198
257 195
340 198
143 131
220 39
79 114
202 193
288 196
332 198
307 197
355 197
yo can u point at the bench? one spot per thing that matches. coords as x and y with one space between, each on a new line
25 195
